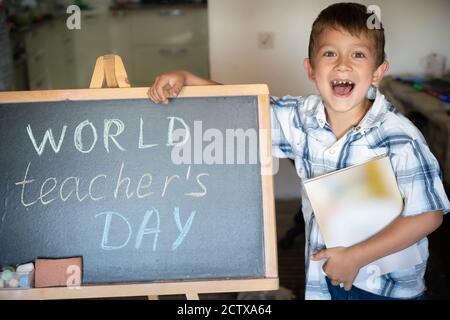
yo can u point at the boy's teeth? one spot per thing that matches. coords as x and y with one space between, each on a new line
335 82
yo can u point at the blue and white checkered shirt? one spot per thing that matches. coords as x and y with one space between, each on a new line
300 131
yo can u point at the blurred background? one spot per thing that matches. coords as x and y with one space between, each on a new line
235 41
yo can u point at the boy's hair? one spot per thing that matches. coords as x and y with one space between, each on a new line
352 18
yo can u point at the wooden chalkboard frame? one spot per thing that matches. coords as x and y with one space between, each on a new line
269 282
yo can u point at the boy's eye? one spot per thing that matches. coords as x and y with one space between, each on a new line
329 54
359 55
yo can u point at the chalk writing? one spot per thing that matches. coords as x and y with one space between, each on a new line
150 226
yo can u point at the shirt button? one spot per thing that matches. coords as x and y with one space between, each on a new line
357 128
332 151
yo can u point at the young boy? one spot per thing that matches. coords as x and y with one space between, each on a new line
349 123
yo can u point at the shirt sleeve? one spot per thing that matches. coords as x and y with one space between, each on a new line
419 179
282 112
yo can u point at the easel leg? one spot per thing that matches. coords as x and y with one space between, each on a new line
192 296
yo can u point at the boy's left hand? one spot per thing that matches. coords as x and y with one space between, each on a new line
340 267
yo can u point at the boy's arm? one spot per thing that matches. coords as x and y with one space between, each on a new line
170 84
343 264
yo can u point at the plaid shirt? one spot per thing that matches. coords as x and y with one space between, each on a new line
300 132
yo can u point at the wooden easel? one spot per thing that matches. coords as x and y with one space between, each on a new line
110 68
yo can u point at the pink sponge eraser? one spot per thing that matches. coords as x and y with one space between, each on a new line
58 272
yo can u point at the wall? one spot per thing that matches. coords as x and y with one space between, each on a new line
414 29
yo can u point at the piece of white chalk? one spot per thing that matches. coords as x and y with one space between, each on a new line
13 283
27 267
7 274
2 283
24 281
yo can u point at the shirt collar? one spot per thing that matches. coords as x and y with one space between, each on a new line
377 112
373 118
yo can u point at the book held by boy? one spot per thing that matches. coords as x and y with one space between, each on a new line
353 204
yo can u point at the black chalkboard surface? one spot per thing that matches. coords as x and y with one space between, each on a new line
137 189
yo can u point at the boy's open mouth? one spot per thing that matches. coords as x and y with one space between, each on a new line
342 88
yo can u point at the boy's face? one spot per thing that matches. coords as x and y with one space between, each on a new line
343 68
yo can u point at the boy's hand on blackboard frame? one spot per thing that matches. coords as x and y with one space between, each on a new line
167 85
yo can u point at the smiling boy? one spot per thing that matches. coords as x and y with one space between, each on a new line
350 123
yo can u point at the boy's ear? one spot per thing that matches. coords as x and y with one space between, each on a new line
308 68
379 73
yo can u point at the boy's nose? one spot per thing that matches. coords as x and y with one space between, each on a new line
343 64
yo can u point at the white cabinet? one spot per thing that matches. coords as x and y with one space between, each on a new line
150 41
119 25
153 60
37 60
90 42
170 26
157 40
50 56
60 55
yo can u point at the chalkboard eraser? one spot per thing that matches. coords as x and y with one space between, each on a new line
58 272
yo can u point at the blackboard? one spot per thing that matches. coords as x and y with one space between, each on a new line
105 185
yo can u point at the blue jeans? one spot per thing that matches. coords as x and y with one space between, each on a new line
338 293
